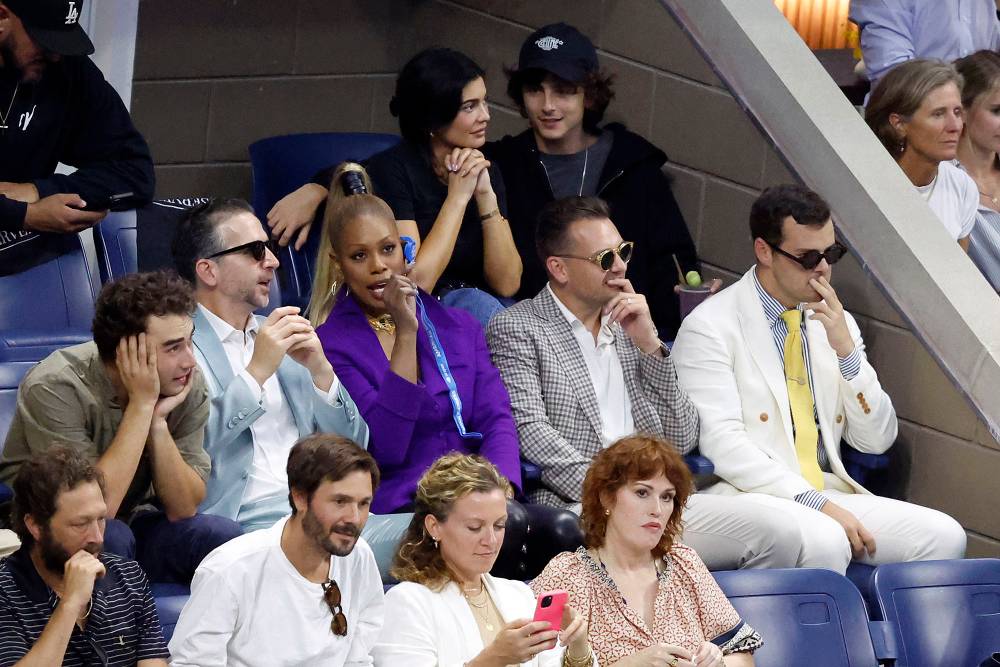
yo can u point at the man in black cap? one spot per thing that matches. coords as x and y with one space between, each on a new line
559 87
55 106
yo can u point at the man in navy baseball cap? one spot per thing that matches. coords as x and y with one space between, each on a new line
560 49
54 25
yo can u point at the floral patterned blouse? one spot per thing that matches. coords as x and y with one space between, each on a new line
690 608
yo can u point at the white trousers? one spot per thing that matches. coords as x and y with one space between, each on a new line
903 531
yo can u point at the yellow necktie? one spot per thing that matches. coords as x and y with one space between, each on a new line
801 400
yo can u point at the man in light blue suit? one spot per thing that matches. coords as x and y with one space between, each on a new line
268 378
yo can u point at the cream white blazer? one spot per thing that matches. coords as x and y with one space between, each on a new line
728 364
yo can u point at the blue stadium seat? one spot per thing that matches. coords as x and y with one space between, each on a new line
281 165
945 612
54 296
115 238
170 600
806 617
10 376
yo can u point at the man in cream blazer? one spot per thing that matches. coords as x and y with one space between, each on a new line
730 358
268 379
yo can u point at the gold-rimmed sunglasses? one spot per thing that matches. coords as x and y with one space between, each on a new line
606 258
331 595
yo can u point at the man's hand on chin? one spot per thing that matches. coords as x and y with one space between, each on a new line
631 311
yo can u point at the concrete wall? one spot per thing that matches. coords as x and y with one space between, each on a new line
211 76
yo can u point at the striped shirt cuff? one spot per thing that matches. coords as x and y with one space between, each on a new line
813 499
850 365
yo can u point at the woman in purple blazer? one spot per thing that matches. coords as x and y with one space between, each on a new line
380 345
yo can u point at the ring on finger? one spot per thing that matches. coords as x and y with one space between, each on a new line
673 663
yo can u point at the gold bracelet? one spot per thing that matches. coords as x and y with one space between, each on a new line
493 213
585 661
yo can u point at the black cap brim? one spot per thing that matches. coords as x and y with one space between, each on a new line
73 42
564 70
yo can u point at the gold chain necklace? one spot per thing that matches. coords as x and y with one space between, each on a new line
992 198
480 604
383 323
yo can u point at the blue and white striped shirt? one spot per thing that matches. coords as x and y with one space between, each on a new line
122 627
850 366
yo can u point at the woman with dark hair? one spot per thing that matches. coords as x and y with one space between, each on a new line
647 599
439 185
448 610
916 112
979 155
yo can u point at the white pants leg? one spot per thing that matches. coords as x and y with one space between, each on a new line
903 531
732 532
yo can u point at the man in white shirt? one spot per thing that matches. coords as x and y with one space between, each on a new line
269 380
304 592
584 366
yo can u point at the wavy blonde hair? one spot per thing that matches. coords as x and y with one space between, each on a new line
341 209
448 480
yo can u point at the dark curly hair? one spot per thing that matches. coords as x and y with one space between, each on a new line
597 91
629 460
124 306
41 479
429 91
768 212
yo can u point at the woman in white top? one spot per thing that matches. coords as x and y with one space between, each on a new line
978 155
448 611
916 112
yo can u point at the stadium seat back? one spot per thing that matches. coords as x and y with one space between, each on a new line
10 376
806 617
55 296
116 245
944 612
281 165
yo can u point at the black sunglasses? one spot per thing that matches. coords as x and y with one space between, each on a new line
606 258
331 595
255 249
811 259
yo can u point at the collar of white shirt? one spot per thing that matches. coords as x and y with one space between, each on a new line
223 330
605 336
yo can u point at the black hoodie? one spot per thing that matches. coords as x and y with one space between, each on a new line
642 207
72 115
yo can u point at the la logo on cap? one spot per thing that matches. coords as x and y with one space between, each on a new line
549 43
73 15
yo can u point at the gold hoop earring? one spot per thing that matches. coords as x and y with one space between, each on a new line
607 512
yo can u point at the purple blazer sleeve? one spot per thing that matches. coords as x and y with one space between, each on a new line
494 418
390 405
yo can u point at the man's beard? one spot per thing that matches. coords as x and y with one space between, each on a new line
314 529
54 556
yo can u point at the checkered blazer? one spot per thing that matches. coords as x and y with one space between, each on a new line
553 399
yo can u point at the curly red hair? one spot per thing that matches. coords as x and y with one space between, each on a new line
629 460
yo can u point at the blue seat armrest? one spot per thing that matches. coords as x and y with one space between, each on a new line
699 465
6 493
530 472
862 460
884 640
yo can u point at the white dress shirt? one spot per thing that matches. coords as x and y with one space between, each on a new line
249 606
606 375
275 431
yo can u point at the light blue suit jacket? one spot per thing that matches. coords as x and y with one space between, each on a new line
228 439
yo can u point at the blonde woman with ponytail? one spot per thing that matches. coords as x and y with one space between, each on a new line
396 349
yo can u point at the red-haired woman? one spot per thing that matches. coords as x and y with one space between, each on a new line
647 599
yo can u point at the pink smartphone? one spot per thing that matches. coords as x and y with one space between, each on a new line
549 607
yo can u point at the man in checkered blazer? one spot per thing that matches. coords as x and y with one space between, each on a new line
584 367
